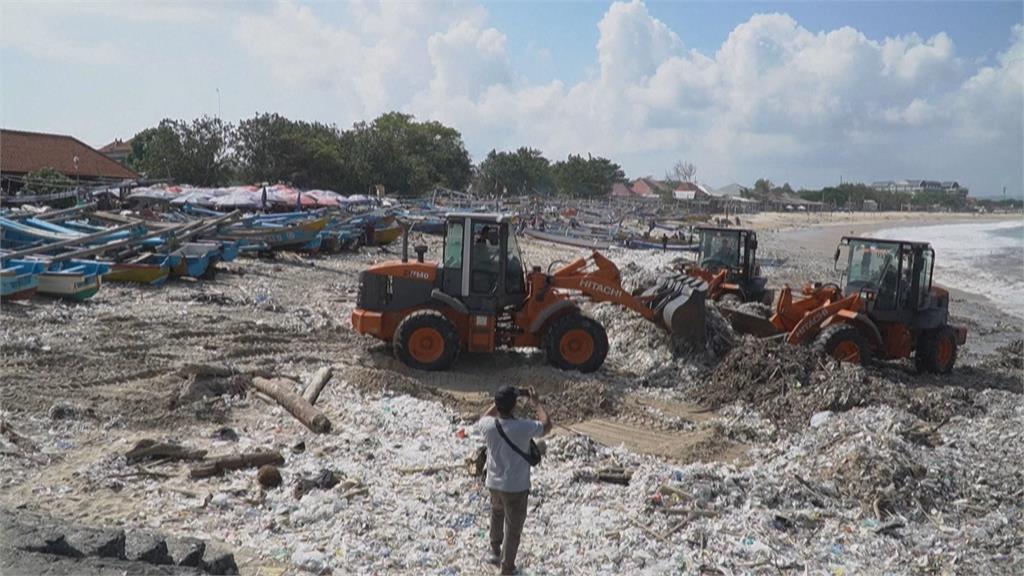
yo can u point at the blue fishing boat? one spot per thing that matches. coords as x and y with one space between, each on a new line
73 279
194 259
19 279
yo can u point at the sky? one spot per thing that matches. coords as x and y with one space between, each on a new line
807 92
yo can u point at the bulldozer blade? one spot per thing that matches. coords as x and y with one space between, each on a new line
684 312
749 323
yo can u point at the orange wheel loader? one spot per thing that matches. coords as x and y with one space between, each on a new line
888 309
480 296
727 261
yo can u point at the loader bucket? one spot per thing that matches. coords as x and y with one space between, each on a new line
679 305
745 323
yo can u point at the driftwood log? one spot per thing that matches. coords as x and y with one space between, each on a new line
217 466
316 385
149 448
281 390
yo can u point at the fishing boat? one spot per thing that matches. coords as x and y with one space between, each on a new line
646 244
568 240
72 279
275 232
152 269
19 279
194 259
387 234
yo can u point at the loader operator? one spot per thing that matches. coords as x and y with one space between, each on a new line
508 472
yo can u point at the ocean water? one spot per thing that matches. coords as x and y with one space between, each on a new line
984 258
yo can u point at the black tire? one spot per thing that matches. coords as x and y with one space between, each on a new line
407 349
835 341
562 357
732 301
936 351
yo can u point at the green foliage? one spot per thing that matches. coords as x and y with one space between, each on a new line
194 153
272 148
406 156
525 171
763 187
588 177
46 181
852 196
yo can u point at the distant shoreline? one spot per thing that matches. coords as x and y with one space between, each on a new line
863 222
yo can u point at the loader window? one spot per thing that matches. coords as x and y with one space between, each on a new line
453 246
485 255
924 278
515 279
719 249
875 266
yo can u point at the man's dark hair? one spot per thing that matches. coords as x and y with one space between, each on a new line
505 400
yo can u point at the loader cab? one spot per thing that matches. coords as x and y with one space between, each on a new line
731 248
893 276
482 265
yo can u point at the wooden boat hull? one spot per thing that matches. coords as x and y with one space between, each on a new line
387 235
71 286
19 281
652 245
195 258
151 274
567 240
278 237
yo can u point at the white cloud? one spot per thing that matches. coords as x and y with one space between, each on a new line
775 99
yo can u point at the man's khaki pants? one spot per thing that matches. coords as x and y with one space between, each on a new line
508 514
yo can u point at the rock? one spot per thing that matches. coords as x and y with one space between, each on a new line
147 547
186 551
216 560
269 476
299 447
820 418
106 543
226 434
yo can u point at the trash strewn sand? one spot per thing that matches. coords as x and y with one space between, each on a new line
802 466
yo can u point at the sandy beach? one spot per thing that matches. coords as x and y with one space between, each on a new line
902 472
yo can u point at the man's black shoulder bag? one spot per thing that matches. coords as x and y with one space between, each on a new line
533 458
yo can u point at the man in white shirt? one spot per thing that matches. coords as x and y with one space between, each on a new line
508 472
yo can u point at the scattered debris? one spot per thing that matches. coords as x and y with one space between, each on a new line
221 464
147 448
269 476
317 383
282 391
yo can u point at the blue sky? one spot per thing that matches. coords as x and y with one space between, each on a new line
800 92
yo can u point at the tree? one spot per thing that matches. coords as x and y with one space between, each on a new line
406 156
683 172
586 177
45 181
272 148
525 171
193 153
763 187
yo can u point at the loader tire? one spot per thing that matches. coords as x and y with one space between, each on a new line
426 340
843 343
575 342
731 301
936 351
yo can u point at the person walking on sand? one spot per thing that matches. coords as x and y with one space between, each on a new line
508 471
